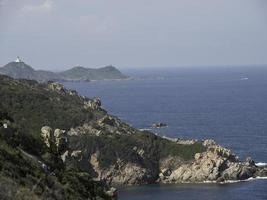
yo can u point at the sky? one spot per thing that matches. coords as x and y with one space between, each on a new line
59 34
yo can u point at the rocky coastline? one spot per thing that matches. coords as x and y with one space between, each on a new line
76 141
213 163
216 164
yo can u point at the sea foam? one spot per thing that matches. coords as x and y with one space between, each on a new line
261 164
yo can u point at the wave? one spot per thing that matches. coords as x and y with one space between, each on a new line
261 164
249 179
258 177
237 181
228 181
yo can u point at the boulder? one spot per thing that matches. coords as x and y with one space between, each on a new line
46 133
209 142
57 140
61 140
112 192
249 161
94 104
57 87
159 125
198 156
107 120
246 172
261 172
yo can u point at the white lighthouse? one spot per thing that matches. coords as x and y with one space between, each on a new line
18 60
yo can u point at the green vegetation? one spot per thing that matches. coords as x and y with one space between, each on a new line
21 70
32 106
26 106
40 176
112 147
84 74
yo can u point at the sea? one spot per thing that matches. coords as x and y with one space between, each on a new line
227 104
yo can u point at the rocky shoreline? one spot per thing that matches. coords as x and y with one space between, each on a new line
75 144
213 163
216 164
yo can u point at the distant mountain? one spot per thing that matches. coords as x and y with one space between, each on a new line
82 73
21 70
18 70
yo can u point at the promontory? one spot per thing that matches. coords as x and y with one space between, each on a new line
57 144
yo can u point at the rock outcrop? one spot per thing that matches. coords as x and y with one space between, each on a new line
96 148
46 133
216 164
159 125
111 150
104 126
119 154
58 139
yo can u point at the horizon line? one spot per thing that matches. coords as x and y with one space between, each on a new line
146 67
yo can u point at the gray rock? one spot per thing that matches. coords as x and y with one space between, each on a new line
112 192
61 140
46 133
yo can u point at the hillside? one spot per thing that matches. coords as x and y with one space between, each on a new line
21 70
82 73
85 150
28 168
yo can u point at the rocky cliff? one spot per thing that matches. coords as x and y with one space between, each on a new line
123 156
86 138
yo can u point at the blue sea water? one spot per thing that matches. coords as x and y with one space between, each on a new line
228 104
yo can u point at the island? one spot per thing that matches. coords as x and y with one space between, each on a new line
20 70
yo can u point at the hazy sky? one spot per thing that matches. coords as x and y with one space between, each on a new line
58 34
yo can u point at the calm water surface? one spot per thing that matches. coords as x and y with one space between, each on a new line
225 104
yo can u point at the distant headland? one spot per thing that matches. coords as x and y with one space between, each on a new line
20 70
